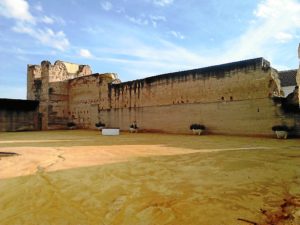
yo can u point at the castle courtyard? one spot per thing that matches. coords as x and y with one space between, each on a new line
80 177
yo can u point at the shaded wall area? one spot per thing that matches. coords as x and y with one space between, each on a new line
87 97
19 115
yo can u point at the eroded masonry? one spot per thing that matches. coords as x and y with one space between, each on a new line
242 97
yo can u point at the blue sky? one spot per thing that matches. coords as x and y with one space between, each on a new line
140 38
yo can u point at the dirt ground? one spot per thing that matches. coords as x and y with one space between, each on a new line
82 178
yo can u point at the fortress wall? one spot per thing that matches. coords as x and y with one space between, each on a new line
44 94
58 107
231 98
58 72
215 84
50 85
18 120
247 117
33 82
87 96
58 95
84 100
298 83
63 71
18 115
84 70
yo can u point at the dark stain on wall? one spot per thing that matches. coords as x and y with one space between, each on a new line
218 72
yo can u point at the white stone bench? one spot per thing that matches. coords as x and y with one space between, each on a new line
110 131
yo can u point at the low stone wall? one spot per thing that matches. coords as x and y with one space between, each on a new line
19 115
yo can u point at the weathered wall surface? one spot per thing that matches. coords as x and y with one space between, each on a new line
18 115
33 82
58 107
298 75
50 85
232 98
88 96
248 117
234 82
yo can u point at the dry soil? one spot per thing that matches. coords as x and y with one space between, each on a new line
82 178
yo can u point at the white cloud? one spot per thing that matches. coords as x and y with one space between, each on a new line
26 24
146 20
16 9
273 21
276 21
284 37
47 20
52 19
156 19
39 7
59 20
53 39
177 34
163 2
120 10
273 8
21 28
138 21
47 36
93 30
85 53
141 60
107 6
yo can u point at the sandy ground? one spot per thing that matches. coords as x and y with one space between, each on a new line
33 159
79 178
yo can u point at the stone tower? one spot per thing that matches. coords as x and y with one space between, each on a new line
49 84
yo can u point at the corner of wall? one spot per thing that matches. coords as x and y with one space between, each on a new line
298 83
275 84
